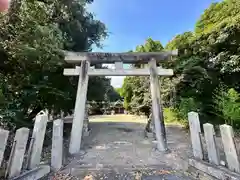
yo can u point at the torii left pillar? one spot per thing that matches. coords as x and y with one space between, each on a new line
79 111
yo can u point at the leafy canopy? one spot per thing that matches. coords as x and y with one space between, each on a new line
32 36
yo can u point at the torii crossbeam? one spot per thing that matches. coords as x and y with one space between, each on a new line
85 60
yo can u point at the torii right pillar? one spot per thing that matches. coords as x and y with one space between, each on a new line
157 108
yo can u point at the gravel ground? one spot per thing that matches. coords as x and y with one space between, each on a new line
137 174
117 150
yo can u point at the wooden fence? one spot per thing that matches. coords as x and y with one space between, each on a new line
213 151
25 158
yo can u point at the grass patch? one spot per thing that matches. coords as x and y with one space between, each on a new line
170 117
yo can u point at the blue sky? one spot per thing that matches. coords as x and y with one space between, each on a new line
131 22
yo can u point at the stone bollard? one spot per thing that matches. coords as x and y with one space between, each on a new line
195 132
3 143
209 134
57 145
17 152
229 146
37 140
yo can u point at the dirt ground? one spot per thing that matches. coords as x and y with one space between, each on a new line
118 149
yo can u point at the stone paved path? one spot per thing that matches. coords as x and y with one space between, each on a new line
119 150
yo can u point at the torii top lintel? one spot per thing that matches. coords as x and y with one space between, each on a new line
108 58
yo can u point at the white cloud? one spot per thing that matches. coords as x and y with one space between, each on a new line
116 81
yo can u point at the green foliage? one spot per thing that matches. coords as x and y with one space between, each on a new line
32 34
227 105
187 105
208 56
119 91
150 46
31 63
216 14
127 92
136 90
181 41
170 116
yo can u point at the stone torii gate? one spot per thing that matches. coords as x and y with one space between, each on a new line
88 59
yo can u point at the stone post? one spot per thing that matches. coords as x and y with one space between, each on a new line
118 65
79 111
37 140
57 145
229 147
3 143
156 108
18 151
209 134
195 131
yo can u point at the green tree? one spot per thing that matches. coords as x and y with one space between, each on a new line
209 56
136 90
216 14
31 68
227 105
